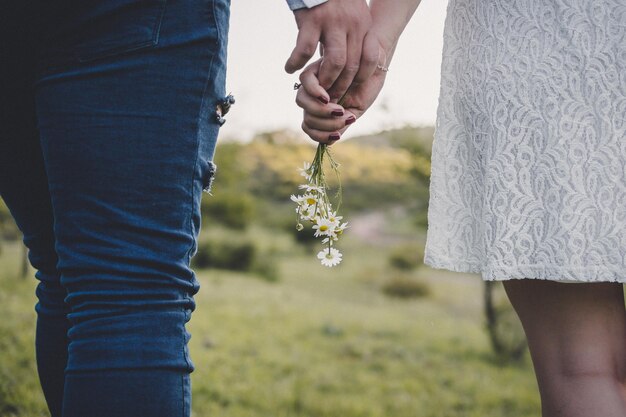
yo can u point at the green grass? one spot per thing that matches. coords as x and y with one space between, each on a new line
318 343
20 394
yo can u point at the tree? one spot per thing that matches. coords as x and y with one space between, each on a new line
505 332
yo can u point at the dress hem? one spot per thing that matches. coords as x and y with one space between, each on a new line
544 272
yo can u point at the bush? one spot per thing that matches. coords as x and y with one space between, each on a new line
229 208
266 267
306 236
236 254
8 228
403 286
233 255
406 257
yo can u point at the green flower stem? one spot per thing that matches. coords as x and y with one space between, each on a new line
318 179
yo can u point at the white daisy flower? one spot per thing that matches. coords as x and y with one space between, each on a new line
330 257
314 206
324 227
339 229
336 220
311 188
307 212
298 199
330 239
305 171
309 199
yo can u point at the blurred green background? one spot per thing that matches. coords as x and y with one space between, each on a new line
275 334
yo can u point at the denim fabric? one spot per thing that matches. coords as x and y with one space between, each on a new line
107 133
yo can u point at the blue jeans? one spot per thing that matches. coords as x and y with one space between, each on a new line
108 127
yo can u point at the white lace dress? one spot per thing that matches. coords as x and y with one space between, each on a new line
529 157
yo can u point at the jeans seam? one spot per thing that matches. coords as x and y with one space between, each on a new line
156 33
203 104
217 27
193 178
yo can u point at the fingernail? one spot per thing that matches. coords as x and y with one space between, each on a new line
337 113
323 99
333 137
350 120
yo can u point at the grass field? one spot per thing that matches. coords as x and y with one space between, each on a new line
317 343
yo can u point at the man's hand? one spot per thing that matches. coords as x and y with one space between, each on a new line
350 49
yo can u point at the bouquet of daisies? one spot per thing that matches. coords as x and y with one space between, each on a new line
314 206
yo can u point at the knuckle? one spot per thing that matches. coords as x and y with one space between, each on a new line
299 101
336 60
351 68
304 127
370 58
306 50
336 63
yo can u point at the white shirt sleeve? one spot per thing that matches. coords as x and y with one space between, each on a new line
301 4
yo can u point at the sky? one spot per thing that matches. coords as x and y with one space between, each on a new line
262 35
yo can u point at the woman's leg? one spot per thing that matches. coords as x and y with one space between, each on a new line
128 129
24 188
577 339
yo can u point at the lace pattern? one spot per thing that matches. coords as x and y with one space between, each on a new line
528 172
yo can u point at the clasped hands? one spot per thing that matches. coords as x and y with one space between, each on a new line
352 55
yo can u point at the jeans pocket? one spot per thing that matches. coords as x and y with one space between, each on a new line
89 30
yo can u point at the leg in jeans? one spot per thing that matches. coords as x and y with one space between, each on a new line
24 188
577 339
125 106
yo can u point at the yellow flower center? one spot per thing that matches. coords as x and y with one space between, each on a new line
323 228
310 201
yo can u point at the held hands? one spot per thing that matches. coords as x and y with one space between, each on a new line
326 121
349 69
350 49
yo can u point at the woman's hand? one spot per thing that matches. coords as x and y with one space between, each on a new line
325 121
